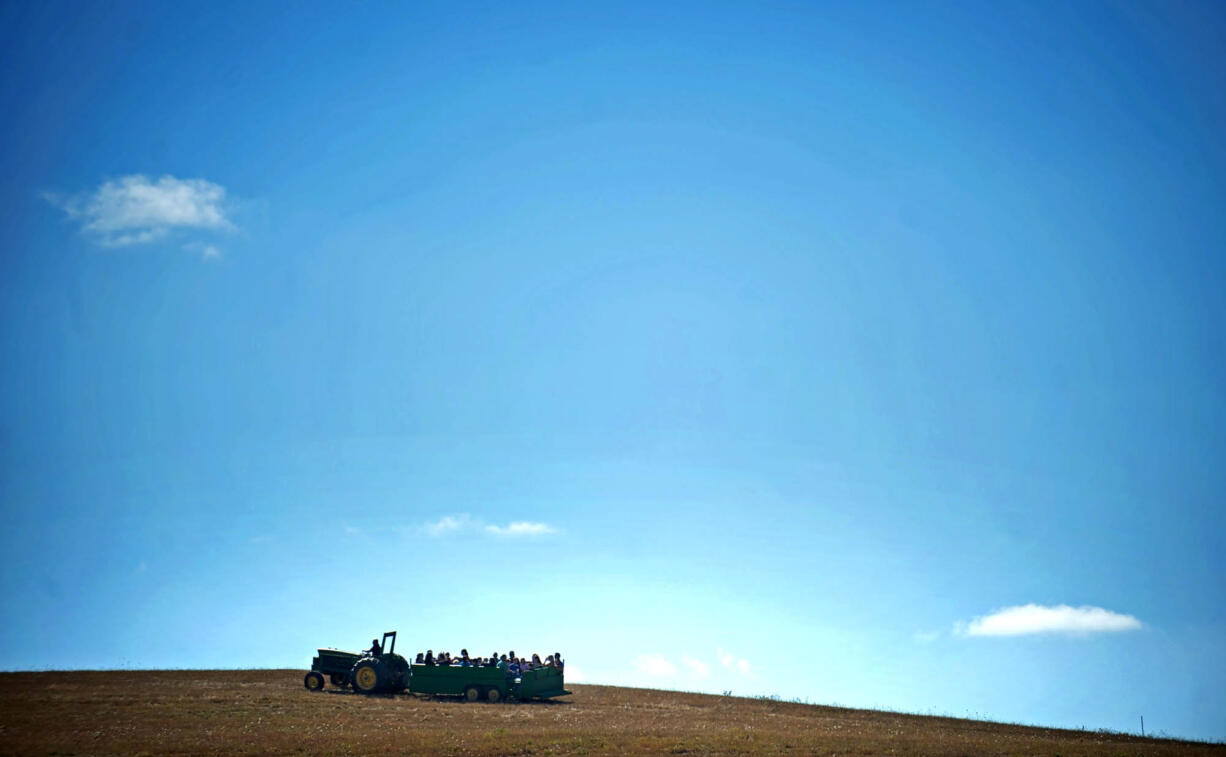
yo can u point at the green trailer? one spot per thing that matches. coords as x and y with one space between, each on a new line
472 683
491 684
540 683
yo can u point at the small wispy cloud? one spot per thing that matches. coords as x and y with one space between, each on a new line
575 674
654 665
135 210
732 662
464 523
1040 619
926 637
698 668
205 251
690 669
448 524
521 528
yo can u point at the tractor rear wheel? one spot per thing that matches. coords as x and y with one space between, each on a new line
313 681
471 693
494 695
366 677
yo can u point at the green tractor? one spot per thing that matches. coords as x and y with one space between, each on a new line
366 673
387 672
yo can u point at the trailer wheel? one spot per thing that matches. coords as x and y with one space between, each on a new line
338 679
494 695
313 681
471 693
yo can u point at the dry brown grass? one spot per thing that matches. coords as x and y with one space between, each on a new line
269 712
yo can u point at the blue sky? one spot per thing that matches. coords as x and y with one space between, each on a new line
863 353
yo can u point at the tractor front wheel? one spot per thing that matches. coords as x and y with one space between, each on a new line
313 681
471 693
366 677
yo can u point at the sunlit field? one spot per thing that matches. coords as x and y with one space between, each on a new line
269 712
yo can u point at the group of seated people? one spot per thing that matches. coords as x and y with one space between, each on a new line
509 662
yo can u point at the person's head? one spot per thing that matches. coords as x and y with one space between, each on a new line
429 652
374 642
463 652
504 657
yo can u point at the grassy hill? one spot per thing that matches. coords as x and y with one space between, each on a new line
269 712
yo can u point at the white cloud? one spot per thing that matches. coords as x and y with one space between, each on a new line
205 251
653 665
732 662
135 210
448 524
464 523
575 675
521 528
1036 619
698 668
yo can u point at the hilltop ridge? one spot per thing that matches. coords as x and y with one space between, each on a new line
269 711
